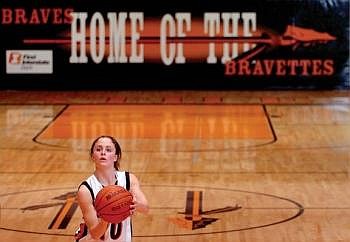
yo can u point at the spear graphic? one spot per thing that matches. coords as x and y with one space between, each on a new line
292 36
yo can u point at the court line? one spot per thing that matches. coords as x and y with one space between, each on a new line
241 149
298 206
250 208
274 139
186 172
180 104
35 138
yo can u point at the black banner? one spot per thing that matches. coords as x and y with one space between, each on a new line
204 44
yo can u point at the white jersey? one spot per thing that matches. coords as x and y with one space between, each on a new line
115 232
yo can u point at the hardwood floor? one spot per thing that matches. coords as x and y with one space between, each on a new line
215 166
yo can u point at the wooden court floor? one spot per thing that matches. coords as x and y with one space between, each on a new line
215 166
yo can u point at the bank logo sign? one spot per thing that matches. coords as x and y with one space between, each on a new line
29 62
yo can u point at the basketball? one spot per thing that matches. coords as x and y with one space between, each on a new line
112 203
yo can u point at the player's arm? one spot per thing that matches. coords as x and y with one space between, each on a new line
140 201
97 226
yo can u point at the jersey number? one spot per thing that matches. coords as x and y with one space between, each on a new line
116 232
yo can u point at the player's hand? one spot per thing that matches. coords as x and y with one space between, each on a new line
133 207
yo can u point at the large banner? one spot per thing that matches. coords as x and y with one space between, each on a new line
201 44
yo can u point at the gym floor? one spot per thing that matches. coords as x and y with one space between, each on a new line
214 165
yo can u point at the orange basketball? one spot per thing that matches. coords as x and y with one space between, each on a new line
112 203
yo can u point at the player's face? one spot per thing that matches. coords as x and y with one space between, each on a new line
104 152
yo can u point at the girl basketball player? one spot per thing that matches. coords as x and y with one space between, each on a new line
106 154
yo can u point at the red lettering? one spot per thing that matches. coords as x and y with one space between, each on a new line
293 67
36 16
230 68
67 16
305 64
34 19
268 66
20 16
6 14
243 67
258 69
281 67
57 16
45 13
328 67
293 64
316 67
